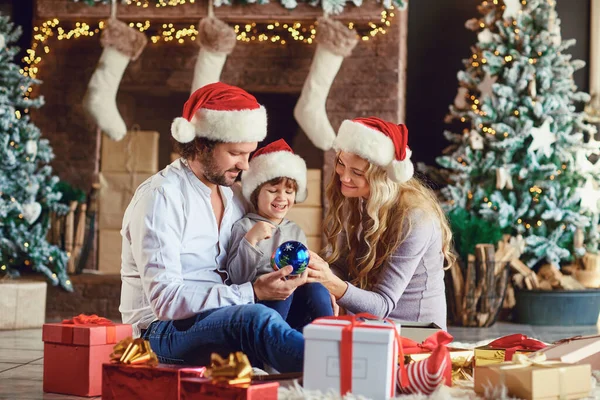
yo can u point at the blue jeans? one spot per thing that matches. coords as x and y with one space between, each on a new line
255 329
308 302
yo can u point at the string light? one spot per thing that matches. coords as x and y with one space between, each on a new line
268 32
159 3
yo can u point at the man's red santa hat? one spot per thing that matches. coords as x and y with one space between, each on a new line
275 160
380 142
221 112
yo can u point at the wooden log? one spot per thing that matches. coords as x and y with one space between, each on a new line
499 288
69 230
79 233
469 294
458 287
485 255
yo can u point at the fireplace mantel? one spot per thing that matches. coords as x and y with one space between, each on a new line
68 10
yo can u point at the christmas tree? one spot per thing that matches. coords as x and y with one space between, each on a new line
27 186
520 159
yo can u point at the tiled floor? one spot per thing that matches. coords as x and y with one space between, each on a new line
21 355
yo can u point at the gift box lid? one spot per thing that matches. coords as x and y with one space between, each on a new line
366 332
573 350
85 335
455 353
417 331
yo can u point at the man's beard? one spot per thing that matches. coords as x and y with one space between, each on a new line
213 174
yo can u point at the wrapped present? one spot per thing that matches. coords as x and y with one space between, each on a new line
309 219
505 348
227 379
461 359
116 191
74 352
535 378
426 375
576 350
137 152
206 389
110 244
347 354
134 373
23 304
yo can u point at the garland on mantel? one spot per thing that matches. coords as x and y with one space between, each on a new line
329 6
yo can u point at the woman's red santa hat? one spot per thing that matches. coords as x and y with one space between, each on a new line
223 113
275 160
380 142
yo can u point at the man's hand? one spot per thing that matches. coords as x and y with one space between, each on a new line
260 231
273 286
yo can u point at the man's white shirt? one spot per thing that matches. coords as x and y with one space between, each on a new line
173 250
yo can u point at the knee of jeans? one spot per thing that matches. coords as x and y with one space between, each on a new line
261 313
317 288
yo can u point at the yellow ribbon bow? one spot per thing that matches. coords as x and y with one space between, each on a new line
234 370
534 359
133 351
462 369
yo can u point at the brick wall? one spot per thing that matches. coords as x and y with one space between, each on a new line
153 89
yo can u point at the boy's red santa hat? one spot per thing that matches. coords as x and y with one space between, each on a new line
380 142
275 160
223 113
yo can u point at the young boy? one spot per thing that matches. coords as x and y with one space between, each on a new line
273 183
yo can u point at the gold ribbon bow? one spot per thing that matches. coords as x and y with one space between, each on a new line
535 359
133 351
462 369
234 370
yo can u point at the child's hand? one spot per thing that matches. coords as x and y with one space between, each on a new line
260 231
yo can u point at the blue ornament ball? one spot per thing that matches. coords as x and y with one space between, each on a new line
291 253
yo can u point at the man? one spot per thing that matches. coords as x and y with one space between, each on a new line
175 232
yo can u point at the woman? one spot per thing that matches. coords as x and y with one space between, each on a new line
387 236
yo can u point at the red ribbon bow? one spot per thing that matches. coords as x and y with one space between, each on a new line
83 319
440 338
346 348
512 343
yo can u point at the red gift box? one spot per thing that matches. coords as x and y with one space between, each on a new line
205 389
74 354
128 382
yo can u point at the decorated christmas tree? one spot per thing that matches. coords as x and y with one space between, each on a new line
520 150
27 187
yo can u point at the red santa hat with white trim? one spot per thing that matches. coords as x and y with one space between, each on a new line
275 160
221 112
380 142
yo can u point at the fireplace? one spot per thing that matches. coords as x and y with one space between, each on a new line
155 87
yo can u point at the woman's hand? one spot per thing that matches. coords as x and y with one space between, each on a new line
334 305
319 271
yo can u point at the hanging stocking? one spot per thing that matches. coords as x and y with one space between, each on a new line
121 44
335 41
216 40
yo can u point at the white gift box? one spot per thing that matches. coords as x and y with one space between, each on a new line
22 304
374 358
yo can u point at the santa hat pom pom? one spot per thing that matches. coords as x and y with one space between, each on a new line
401 171
183 130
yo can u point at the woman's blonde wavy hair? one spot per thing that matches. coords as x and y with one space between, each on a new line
363 234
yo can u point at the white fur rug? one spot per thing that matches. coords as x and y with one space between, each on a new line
463 392
296 392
